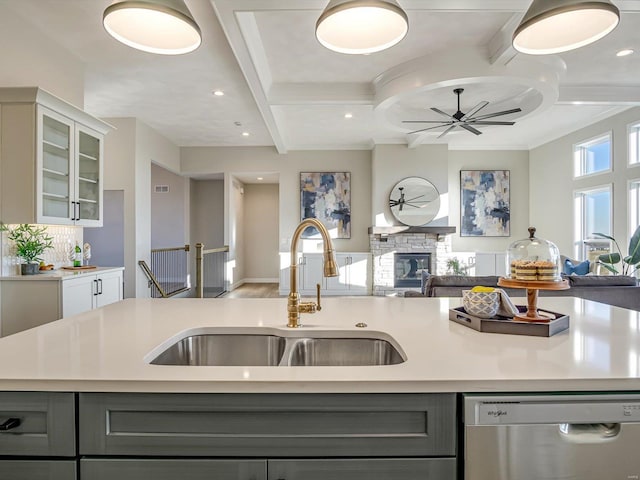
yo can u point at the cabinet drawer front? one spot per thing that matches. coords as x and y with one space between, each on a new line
294 425
44 424
38 469
172 469
365 469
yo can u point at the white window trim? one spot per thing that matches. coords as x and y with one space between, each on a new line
578 230
590 141
633 126
630 220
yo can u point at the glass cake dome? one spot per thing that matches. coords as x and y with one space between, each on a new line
533 260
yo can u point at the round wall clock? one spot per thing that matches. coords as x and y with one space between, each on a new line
414 201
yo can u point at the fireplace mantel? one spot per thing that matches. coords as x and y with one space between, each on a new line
400 229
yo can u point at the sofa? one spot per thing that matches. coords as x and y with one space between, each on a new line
616 290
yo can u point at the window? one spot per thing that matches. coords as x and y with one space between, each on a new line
634 144
592 156
592 214
634 205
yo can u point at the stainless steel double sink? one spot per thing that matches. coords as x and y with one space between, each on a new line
256 349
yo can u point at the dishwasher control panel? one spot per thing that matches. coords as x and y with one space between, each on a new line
545 409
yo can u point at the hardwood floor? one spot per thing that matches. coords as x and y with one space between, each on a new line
255 290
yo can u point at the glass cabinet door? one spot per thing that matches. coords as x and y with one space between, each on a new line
55 192
89 181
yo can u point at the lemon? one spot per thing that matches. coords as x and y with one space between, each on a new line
482 289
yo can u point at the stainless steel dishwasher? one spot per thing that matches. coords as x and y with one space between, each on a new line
559 437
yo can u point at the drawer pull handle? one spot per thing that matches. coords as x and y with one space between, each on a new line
9 424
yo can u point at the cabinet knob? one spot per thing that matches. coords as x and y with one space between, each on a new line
9 424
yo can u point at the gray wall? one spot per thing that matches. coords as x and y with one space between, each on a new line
107 242
168 226
207 212
261 232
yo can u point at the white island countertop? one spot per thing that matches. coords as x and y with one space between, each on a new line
105 349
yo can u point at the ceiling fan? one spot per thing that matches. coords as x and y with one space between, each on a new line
464 120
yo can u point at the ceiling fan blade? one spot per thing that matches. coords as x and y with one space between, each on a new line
474 110
491 123
497 114
470 129
437 110
430 128
447 130
423 121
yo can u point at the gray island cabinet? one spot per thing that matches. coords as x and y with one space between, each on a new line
267 436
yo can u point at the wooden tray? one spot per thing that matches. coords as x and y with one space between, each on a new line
84 267
512 326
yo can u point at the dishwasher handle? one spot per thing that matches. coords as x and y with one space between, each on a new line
589 432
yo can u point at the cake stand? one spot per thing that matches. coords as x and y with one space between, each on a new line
532 287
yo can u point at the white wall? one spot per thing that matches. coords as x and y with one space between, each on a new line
517 162
552 183
208 160
234 230
168 220
261 232
129 152
29 58
392 163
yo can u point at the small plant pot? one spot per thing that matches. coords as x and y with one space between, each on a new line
29 268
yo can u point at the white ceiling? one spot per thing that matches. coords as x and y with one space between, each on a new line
286 90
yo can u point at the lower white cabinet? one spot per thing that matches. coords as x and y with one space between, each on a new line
30 301
354 274
488 263
91 291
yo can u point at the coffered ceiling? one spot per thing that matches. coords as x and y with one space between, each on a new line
284 89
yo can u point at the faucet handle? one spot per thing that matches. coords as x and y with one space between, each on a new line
318 306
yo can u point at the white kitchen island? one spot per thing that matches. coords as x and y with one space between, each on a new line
90 406
105 349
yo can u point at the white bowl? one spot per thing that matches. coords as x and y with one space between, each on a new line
481 304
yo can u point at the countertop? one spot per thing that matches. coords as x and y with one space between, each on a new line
59 274
105 349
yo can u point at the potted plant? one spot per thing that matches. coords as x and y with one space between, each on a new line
31 242
630 263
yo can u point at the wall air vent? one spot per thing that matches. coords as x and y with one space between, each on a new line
162 188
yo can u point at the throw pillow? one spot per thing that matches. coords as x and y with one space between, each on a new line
576 269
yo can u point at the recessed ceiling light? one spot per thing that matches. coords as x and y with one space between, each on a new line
260 178
245 134
218 93
165 27
624 53
348 115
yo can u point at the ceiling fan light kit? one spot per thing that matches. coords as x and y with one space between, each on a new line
361 26
163 27
555 26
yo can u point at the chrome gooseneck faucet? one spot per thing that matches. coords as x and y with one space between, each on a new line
294 306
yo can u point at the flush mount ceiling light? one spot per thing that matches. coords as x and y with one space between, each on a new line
361 26
554 26
165 27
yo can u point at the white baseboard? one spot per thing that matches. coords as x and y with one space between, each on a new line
262 280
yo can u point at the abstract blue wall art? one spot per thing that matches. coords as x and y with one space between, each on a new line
327 197
484 203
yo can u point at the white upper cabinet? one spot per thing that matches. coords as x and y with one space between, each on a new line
51 160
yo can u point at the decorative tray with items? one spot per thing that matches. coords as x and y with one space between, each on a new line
556 323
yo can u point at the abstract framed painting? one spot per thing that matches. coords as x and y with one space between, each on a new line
327 197
485 203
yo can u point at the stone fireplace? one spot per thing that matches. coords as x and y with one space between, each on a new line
394 248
